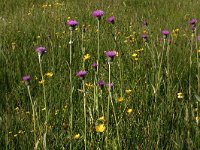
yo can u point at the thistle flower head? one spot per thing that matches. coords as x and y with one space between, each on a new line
72 24
193 21
101 84
111 20
144 37
41 50
165 33
111 55
81 74
98 14
94 65
26 79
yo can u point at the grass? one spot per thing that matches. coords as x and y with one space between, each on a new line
150 115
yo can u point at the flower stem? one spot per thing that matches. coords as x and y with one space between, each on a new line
45 102
109 98
190 67
71 87
33 116
85 117
98 46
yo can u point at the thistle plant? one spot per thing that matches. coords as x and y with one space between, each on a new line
41 51
26 80
110 55
81 74
192 24
98 14
72 25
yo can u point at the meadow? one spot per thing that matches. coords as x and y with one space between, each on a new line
70 78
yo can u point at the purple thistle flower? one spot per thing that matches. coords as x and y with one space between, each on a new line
110 86
41 50
98 14
111 20
193 21
101 84
81 74
94 65
165 33
26 79
111 54
72 24
145 37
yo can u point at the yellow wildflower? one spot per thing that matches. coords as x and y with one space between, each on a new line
49 74
180 95
145 31
89 85
41 82
120 99
100 128
101 118
129 110
128 91
86 57
77 136
134 55
140 50
198 51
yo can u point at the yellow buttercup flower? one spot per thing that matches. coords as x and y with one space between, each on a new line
134 55
77 136
129 110
120 99
49 74
89 85
100 128
128 91
140 50
180 95
101 118
41 82
86 57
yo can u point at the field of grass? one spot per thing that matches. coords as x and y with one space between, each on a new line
154 103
